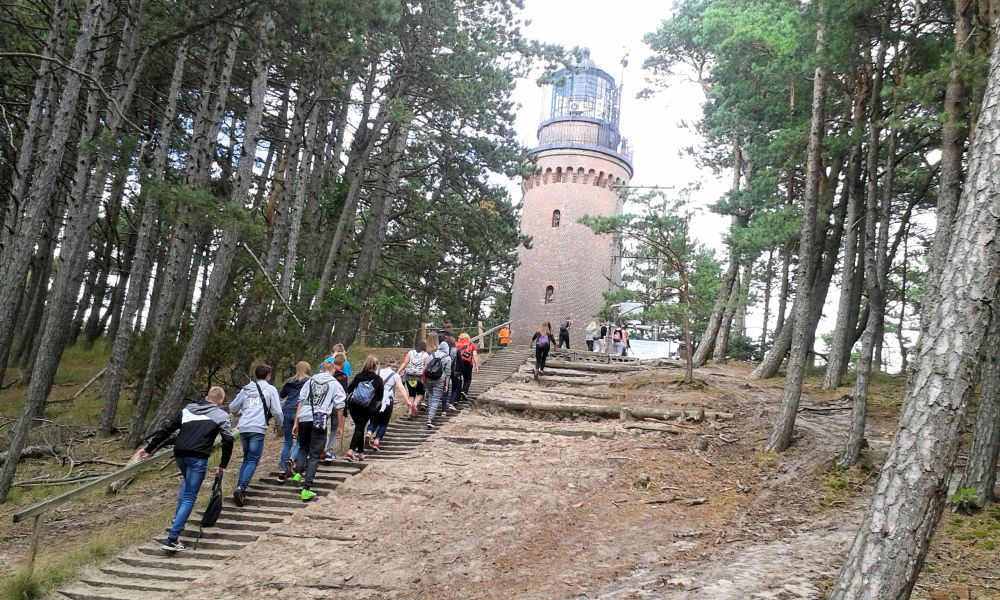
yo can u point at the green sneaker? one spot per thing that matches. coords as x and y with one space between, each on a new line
307 495
297 477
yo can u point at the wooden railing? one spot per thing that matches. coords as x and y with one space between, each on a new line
478 340
38 510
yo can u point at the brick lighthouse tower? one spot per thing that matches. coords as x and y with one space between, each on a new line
581 159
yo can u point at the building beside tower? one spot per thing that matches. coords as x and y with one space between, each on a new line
581 162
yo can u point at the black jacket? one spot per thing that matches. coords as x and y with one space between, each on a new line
377 383
199 423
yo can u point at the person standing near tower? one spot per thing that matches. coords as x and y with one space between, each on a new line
564 331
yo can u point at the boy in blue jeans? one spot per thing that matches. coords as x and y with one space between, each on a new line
198 423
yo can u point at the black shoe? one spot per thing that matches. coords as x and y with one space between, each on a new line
281 477
174 546
239 496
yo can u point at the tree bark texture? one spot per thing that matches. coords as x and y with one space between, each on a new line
840 349
226 251
889 549
39 197
781 432
981 470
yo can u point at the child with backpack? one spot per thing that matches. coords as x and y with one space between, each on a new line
320 401
455 377
542 341
436 379
363 396
412 371
290 392
468 362
392 384
256 404
618 340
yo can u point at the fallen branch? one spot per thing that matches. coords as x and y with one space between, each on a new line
263 271
45 482
89 383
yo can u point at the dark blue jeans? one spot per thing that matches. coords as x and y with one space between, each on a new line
253 447
193 470
290 450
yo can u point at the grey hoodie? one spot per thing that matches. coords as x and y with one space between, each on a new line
248 405
327 395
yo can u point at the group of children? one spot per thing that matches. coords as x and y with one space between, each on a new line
313 414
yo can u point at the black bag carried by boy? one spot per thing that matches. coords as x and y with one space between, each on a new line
213 510
263 402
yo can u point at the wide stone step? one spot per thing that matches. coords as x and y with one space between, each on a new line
225 523
190 532
293 486
139 584
200 553
136 573
251 502
234 513
192 541
83 591
182 562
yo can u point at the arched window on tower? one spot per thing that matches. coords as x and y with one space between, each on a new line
556 218
549 293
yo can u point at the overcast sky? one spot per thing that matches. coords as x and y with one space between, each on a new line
653 126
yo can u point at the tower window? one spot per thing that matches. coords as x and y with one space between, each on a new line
549 293
556 218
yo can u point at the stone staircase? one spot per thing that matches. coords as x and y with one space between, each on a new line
147 572
498 368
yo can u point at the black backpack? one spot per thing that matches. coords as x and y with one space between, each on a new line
435 368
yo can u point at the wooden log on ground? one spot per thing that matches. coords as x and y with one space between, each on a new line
576 393
654 427
596 367
545 377
27 452
606 411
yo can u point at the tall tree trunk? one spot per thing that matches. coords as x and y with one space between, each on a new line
981 469
226 251
197 172
840 350
721 345
786 259
876 240
889 549
953 137
76 241
781 433
378 221
768 288
43 94
704 349
310 126
39 197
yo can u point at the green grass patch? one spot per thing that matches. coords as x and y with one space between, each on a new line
62 566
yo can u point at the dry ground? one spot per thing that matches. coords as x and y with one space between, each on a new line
501 505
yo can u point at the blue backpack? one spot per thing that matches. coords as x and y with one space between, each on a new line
364 394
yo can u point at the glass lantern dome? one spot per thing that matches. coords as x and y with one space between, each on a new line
583 111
